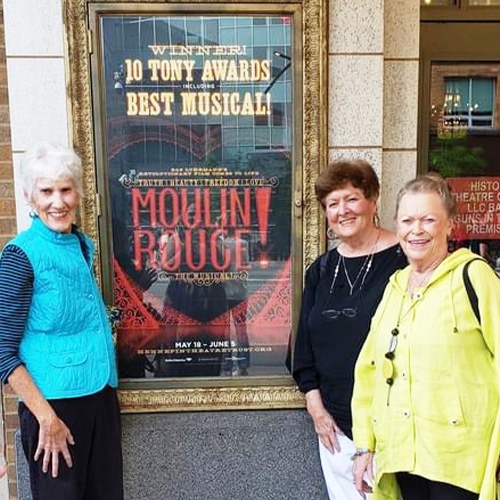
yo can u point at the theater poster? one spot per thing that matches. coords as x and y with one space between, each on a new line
198 123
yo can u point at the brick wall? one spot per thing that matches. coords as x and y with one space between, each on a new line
7 203
7 231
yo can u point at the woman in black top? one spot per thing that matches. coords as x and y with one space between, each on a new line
342 290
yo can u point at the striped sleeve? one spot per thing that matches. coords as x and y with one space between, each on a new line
16 287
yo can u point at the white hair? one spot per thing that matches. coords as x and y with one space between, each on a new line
50 161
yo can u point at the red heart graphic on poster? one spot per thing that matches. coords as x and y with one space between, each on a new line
199 248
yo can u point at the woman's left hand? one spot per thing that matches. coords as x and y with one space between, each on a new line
363 464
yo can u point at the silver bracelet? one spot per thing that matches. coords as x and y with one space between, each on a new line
360 452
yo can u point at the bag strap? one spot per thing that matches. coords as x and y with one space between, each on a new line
470 289
323 263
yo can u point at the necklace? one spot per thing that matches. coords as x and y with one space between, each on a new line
366 266
415 282
413 285
335 273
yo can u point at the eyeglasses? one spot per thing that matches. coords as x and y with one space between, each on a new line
348 312
388 365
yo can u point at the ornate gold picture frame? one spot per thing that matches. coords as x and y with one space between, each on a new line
310 154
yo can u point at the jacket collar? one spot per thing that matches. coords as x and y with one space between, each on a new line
45 232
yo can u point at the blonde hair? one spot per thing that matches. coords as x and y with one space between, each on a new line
430 183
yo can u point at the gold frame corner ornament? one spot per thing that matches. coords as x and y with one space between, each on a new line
313 132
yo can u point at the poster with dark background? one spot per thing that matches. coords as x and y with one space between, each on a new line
198 119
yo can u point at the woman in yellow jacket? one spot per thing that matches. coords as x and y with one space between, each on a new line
426 394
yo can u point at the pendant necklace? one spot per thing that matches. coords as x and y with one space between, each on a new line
416 282
367 264
420 283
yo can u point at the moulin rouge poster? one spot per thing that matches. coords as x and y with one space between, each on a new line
200 172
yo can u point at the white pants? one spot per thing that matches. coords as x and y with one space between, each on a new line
337 469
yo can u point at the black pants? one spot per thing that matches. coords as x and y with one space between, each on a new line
94 422
418 488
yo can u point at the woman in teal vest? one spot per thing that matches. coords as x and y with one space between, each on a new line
56 348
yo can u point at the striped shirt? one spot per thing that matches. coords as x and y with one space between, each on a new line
16 288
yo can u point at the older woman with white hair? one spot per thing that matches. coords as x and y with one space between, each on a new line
56 348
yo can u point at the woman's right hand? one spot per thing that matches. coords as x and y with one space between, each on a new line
362 472
324 424
53 438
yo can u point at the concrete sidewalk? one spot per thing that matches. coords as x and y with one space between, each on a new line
4 492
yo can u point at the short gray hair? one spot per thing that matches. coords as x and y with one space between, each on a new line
431 182
50 161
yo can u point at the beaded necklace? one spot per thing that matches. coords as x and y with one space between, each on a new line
367 264
363 271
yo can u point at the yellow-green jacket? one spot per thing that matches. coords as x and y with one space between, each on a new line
440 418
